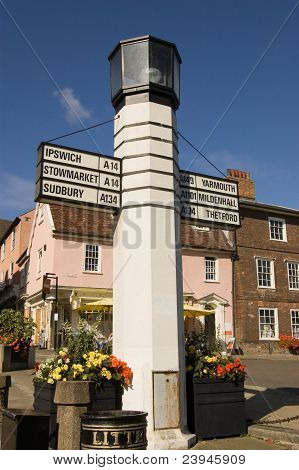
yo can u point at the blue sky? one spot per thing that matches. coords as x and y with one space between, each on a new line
220 41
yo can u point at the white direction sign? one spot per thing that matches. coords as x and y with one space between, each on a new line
71 175
209 200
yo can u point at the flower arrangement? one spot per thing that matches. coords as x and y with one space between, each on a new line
16 331
220 367
290 343
94 366
203 363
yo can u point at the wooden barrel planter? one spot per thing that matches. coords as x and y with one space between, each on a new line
218 408
107 398
114 430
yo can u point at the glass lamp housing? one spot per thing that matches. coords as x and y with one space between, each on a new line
145 65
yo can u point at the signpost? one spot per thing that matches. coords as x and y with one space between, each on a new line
209 200
68 175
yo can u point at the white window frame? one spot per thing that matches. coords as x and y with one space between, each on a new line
272 273
39 262
284 229
297 263
13 240
3 251
276 326
11 269
99 270
216 268
293 310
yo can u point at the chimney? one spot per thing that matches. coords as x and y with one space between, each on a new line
246 185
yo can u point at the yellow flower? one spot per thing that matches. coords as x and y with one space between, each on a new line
84 356
84 377
65 367
58 370
62 353
50 381
64 380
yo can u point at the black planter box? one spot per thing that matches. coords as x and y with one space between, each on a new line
107 398
216 408
11 360
24 430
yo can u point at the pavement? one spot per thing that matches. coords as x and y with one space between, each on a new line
271 392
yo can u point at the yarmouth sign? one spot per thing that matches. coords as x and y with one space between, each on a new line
209 200
71 176
65 175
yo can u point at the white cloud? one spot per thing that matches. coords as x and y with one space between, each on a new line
16 192
74 110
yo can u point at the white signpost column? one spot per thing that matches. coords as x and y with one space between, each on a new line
148 329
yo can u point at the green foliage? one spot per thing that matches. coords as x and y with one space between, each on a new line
82 339
13 325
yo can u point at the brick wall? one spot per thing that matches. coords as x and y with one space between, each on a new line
253 240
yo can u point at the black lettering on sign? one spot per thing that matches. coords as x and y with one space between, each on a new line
110 165
57 190
108 199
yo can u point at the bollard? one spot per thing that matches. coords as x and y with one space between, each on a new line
72 399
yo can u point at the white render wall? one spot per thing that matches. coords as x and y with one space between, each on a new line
147 269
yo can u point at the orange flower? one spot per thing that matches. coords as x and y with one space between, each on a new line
219 370
127 375
115 362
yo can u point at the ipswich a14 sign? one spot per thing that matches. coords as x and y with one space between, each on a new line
68 175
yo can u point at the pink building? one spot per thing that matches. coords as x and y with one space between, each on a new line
76 245
14 243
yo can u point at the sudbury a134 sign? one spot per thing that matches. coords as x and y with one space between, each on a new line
68 175
209 200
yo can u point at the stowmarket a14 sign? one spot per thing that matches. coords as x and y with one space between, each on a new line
209 200
68 175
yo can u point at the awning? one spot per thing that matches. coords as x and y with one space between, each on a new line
192 311
102 305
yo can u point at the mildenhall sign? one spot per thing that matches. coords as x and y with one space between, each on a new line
209 200
68 175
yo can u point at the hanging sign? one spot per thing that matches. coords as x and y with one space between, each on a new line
209 200
68 175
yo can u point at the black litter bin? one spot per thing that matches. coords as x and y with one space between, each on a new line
112 430
25 430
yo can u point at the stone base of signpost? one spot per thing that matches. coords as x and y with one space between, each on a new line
170 439
72 399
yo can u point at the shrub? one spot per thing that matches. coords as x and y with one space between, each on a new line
290 343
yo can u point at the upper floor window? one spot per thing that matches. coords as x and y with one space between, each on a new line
268 323
277 229
39 261
13 239
295 323
265 273
92 262
293 274
211 271
11 268
41 212
3 251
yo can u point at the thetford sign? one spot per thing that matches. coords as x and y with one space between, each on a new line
209 200
69 175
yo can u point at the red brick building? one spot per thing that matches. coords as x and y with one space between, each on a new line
266 271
